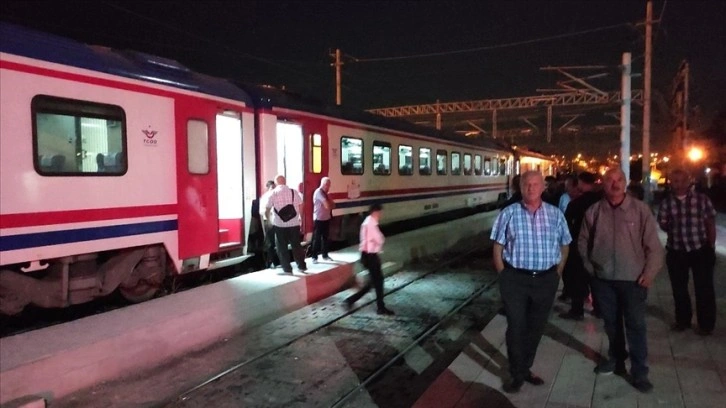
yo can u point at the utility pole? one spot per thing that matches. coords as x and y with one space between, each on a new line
625 116
646 101
337 64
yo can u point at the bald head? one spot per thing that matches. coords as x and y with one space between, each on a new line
280 180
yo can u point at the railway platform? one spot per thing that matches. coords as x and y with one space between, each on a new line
56 361
686 369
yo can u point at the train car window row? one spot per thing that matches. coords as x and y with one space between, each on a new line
197 146
381 158
78 138
351 155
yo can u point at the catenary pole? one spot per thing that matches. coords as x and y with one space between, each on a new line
625 116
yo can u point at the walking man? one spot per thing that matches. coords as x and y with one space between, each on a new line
371 244
690 221
286 202
620 248
322 213
530 249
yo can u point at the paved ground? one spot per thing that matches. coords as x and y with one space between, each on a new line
687 370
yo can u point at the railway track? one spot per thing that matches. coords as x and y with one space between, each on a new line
418 329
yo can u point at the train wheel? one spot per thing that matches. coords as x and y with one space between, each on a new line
147 277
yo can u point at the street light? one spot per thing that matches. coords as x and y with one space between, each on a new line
695 154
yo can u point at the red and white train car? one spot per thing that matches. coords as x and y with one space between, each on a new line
111 164
118 168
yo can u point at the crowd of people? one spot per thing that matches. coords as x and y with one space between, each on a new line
602 240
595 234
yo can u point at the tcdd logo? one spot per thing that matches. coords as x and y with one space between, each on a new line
149 141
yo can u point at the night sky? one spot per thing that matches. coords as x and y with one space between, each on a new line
288 43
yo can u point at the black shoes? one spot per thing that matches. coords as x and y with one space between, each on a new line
608 367
385 311
573 316
643 385
533 379
512 386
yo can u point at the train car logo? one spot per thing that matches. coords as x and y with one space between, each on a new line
150 141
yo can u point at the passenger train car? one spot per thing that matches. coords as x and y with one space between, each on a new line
118 168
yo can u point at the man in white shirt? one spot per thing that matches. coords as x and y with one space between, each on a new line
322 213
286 232
271 259
371 244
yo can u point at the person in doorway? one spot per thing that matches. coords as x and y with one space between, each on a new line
689 219
270 253
286 232
620 249
322 213
530 249
371 244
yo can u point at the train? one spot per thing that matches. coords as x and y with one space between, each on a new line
119 169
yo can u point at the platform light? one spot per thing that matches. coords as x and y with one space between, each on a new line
695 154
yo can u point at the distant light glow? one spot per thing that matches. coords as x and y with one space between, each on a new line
695 154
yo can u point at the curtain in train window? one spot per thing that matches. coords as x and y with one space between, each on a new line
351 155
381 158
424 161
405 160
441 162
74 137
455 163
197 147
467 164
477 165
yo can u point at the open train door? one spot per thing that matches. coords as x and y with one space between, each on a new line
229 180
290 158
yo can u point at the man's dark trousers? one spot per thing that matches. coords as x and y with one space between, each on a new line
624 303
701 261
527 302
285 236
373 263
320 238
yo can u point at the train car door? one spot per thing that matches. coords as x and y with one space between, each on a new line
229 180
290 158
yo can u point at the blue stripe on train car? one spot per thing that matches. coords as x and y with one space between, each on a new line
38 239
387 200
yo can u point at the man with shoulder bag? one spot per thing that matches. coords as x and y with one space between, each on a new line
285 204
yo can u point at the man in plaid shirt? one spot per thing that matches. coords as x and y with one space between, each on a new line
531 242
690 221
286 232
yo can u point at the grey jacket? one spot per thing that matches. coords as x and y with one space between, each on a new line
620 243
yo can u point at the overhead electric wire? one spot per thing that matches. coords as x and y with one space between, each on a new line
492 47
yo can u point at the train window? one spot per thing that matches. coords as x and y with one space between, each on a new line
73 137
351 155
405 160
197 147
441 162
424 161
455 163
488 166
477 165
381 158
316 151
467 164
502 167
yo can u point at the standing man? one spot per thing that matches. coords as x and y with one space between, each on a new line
271 258
690 221
287 232
575 274
530 248
322 213
620 248
371 244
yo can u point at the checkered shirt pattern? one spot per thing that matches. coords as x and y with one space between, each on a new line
685 220
531 241
279 198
